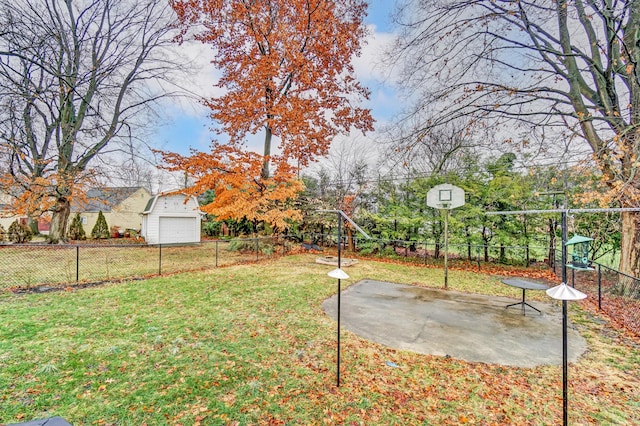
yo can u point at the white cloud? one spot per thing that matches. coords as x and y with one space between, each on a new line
370 65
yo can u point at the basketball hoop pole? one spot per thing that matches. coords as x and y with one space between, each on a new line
446 248
445 197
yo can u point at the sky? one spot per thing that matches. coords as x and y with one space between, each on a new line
188 126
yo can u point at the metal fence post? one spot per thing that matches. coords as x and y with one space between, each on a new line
425 253
159 259
77 263
599 287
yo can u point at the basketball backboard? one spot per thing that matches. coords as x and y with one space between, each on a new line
445 196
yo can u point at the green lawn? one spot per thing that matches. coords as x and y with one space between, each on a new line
250 344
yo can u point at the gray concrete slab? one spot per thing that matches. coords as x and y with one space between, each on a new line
465 326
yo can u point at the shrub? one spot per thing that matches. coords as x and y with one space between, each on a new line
100 229
19 233
388 252
242 245
369 247
211 229
2 233
267 249
265 245
76 231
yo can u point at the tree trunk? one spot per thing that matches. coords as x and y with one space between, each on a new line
350 240
486 237
266 153
630 244
61 212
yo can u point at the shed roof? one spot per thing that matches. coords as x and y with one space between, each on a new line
152 201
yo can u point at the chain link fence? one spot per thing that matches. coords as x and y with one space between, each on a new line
40 267
616 293
44 266
427 251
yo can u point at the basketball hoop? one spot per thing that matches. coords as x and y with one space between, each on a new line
445 197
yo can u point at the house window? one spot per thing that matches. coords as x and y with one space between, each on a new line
83 219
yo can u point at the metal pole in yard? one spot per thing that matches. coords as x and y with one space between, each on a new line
159 259
257 249
216 253
599 287
339 274
446 248
77 263
339 290
565 365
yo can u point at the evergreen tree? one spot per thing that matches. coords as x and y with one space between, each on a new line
100 229
19 233
76 231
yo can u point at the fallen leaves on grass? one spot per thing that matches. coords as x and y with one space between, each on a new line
254 350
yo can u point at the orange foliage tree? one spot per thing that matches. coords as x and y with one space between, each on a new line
286 70
227 171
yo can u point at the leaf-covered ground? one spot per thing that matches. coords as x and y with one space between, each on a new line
250 344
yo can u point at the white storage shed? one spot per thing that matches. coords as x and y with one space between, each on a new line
168 219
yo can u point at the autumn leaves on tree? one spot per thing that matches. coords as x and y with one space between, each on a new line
287 73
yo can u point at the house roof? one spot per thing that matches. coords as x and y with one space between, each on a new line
104 199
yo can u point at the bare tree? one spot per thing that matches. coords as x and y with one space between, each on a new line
570 67
344 179
409 146
127 169
75 75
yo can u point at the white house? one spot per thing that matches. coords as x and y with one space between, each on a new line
169 219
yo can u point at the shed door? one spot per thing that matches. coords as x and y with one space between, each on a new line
177 230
